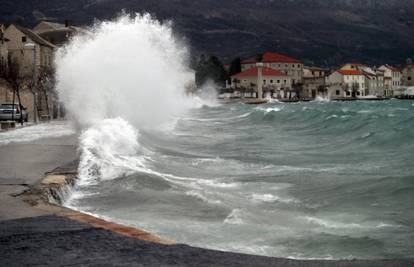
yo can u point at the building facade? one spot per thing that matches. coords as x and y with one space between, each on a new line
314 82
374 83
346 84
273 81
392 80
289 66
408 75
29 49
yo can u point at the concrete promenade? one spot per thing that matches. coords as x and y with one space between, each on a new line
31 236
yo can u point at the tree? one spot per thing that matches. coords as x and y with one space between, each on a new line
210 69
11 72
235 66
45 86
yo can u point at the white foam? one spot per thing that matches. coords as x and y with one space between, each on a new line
201 196
332 224
132 67
108 150
268 110
35 132
270 198
235 217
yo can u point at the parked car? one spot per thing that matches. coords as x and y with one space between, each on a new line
16 112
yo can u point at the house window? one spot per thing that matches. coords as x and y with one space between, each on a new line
409 78
358 93
278 81
24 39
298 66
337 92
284 81
271 81
348 93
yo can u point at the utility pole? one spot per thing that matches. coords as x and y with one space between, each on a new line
259 65
34 81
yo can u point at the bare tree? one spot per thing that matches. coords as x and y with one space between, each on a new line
46 85
11 72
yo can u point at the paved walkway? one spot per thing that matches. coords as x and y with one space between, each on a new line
23 165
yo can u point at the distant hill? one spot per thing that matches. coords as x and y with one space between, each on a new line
324 32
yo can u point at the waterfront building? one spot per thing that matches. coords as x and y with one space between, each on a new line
28 48
314 81
274 82
374 83
289 66
57 33
346 84
408 75
392 80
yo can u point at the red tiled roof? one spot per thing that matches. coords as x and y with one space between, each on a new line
273 57
350 72
252 72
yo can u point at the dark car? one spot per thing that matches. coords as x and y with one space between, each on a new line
16 112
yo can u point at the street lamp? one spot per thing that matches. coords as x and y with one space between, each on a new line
31 45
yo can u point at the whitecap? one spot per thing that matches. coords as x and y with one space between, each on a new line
270 198
268 110
202 197
331 117
235 217
332 224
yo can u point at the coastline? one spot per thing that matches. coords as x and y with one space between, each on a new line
46 196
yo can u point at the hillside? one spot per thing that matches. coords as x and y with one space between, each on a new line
325 32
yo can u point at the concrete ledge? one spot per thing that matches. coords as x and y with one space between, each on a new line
51 188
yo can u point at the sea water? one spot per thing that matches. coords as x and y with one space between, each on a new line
326 180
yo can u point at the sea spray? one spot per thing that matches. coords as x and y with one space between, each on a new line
124 75
108 150
132 67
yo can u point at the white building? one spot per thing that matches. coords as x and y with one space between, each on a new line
314 81
374 83
290 66
392 79
346 84
273 81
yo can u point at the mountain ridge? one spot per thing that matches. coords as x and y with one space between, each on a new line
327 32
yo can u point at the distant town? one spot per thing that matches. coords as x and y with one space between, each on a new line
27 74
286 78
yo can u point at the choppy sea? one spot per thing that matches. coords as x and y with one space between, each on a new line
317 180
